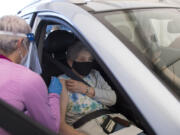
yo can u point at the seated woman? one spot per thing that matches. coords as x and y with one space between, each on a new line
78 99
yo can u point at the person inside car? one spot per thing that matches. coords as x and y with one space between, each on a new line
79 99
20 87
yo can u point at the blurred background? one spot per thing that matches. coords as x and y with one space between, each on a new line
9 7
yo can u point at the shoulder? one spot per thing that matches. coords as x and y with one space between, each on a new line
64 76
31 80
95 73
23 79
31 76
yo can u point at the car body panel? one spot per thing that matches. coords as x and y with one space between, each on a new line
130 72
100 6
52 5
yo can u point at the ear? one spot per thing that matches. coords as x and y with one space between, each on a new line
19 42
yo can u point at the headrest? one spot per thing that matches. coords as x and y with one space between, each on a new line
173 26
58 41
145 35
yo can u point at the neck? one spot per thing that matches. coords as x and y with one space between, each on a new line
13 57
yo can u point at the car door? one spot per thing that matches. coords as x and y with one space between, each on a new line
122 67
48 18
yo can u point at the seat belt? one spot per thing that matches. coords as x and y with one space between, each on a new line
90 116
98 113
67 70
72 75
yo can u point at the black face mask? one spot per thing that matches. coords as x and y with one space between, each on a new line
83 68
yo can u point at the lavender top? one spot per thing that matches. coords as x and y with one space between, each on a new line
27 92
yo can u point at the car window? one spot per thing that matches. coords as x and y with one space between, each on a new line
28 19
51 69
52 27
155 33
164 36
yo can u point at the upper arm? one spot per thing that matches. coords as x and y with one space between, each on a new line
103 92
63 101
101 83
63 98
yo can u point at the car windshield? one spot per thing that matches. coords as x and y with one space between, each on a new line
155 34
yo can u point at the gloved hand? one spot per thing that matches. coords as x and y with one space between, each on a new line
55 86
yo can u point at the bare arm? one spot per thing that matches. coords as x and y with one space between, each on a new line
66 129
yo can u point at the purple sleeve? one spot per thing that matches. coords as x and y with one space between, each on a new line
40 106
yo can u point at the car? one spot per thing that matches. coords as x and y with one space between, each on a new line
135 47
171 1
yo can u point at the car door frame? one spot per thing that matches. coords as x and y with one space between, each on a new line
55 17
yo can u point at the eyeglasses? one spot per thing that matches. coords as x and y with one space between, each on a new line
29 36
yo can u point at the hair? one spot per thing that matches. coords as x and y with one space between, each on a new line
13 24
74 50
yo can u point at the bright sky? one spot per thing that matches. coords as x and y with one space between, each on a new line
11 7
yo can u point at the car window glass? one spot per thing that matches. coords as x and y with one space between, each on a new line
52 27
28 18
125 25
156 34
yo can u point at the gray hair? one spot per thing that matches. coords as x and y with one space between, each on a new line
74 50
13 24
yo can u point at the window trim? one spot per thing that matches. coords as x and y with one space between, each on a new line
30 16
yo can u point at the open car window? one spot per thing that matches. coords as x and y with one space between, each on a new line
52 27
50 69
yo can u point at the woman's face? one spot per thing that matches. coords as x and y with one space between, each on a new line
83 63
84 56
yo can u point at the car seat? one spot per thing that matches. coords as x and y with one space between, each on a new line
55 46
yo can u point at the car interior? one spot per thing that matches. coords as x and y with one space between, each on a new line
55 46
52 47
165 58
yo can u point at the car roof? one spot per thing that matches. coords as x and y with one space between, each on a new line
107 5
94 5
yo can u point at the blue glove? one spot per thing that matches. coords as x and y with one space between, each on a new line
55 86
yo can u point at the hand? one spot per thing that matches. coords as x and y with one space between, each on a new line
76 86
55 86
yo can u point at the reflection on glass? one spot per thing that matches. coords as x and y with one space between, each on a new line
156 34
